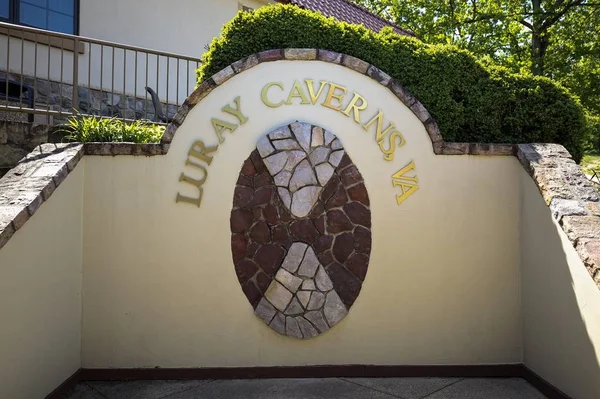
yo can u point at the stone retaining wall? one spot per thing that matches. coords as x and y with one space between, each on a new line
573 200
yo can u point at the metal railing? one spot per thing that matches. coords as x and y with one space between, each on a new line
55 74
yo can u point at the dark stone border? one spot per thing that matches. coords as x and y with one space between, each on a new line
348 371
440 147
68 385
26 186
572 199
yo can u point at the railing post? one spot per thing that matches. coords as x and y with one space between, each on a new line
75 102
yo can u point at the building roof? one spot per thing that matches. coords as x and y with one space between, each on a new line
345 10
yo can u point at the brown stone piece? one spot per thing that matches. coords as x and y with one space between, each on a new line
362 240
281 235
357 264
239 246
343 246
246 270
338 199
260 233
242 196
359 193
269 258
350 176
338 222
345 283
241 220
252 292
304 230
358 213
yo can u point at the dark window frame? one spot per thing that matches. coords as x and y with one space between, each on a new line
14 8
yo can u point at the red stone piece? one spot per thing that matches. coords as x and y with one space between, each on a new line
343 246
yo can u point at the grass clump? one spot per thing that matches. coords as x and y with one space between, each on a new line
88 129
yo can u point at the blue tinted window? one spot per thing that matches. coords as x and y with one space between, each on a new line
33 15
54 15
62 6
4 9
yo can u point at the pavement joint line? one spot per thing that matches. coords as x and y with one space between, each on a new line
373 389
444 387
95 390
206 382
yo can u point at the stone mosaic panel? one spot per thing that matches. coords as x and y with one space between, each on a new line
301 230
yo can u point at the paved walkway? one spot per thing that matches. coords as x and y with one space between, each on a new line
316 388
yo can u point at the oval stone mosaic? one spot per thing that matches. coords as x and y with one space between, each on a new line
301 230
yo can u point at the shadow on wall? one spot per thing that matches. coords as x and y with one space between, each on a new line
561 303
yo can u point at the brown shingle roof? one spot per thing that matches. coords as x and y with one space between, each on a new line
344 10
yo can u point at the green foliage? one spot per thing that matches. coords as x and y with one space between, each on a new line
472 100
87 129
593 134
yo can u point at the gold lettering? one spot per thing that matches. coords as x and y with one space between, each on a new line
201 152
407 190
237 111
194 182
264 93
379 118
400 179
389 153
311 90
297 92
353 106
220 126
331 95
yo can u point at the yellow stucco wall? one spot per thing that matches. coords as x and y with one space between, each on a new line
561 318
159 283
40 296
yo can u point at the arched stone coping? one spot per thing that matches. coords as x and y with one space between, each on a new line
439 146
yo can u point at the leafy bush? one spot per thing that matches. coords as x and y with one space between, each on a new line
471 100
86 129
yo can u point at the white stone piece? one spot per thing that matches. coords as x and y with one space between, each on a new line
304 199
278 323
283 132
334 309
292 328
318 155
323 281
288 280
309 265
265 310
295 308
317 137
276 162
294 257
336 145
329 137
264 147
307 329
283 178
294 158
324 173
303 176
317 319
317 299
303 297
278 295
302 131
336 157
309 285
285 196
287 144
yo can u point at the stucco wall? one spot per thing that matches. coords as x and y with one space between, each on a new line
443 281
561 323
40 296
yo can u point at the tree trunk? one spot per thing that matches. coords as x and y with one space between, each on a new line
539 40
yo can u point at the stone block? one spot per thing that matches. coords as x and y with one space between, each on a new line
329 56
356 64
578 227
300 54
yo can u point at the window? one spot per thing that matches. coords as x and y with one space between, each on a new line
55 15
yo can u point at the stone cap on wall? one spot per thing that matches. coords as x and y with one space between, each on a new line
25 187
572 199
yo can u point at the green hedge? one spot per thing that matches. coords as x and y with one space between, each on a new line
593 135
471 100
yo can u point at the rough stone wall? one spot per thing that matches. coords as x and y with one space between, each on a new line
573 200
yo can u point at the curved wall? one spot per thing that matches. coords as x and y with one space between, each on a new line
160 288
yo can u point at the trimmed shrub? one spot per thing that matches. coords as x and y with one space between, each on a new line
471 100
87 129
